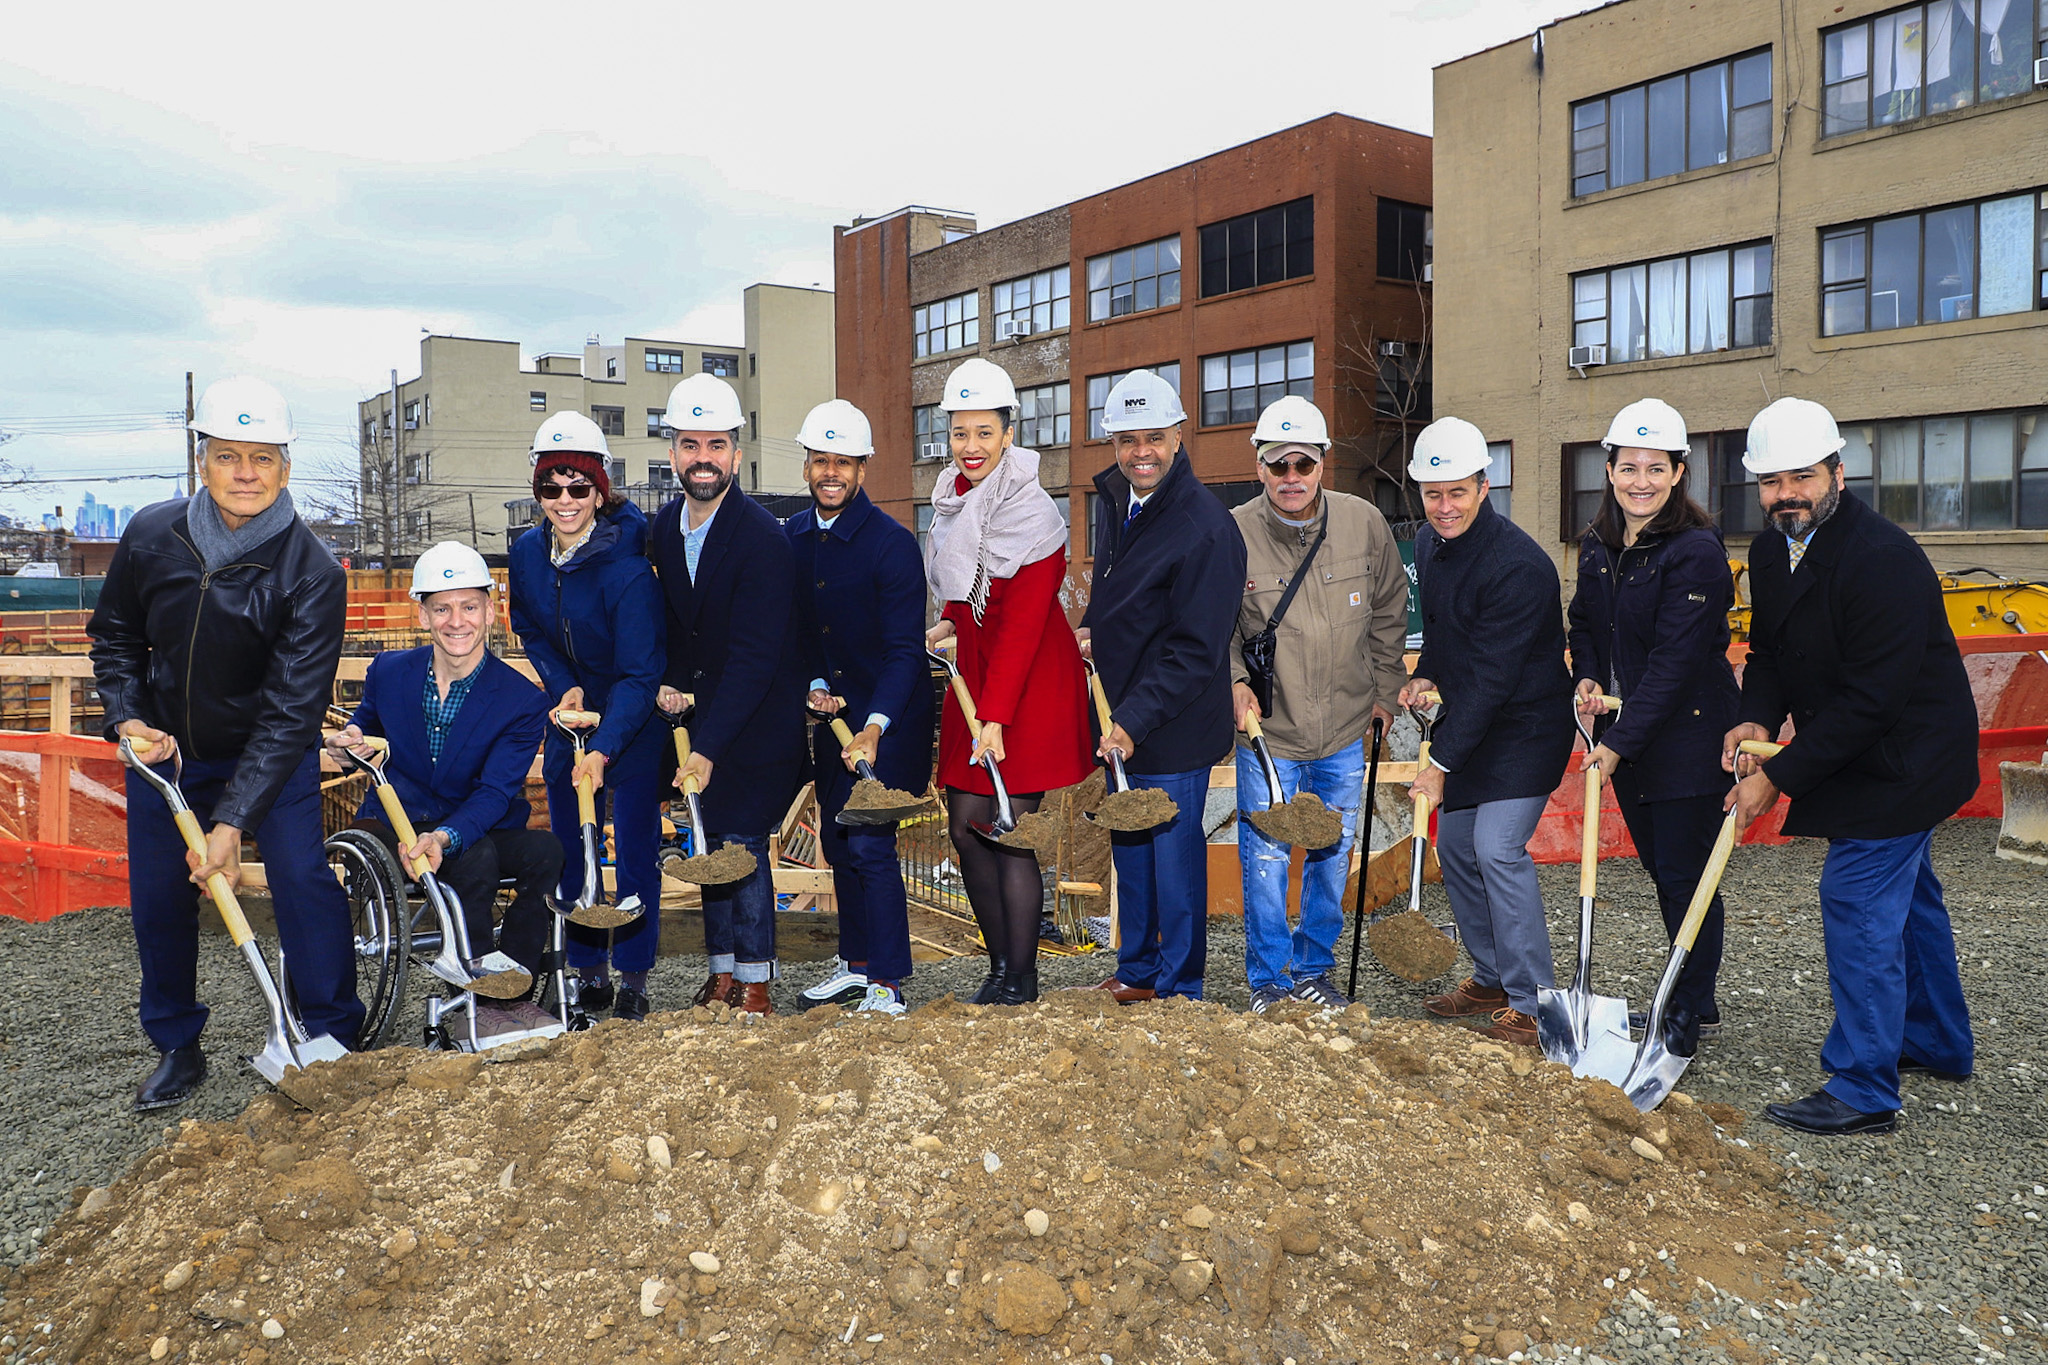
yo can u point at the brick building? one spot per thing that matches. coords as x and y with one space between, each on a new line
1293 263
1723 204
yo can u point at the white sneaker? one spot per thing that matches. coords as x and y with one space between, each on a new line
881 999
840 986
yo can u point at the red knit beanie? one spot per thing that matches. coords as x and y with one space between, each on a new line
573 462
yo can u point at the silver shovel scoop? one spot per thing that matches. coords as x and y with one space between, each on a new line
1575 1026
288 1047
1006 819
589 909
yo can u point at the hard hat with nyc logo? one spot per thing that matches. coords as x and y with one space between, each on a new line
1141 401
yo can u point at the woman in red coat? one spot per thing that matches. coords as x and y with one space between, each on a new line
997 557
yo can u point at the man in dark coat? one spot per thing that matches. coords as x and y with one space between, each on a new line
861 603
1848 638
1169 573
1493 647
729 579
215 641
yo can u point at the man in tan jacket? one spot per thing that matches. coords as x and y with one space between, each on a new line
1336 664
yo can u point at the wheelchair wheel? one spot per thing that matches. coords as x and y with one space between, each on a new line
380 925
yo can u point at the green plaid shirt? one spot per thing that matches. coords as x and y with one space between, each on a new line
440 718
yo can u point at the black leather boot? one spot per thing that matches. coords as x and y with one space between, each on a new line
998 968
174 1080
1017 988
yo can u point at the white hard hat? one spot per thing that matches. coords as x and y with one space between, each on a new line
1648 424
1449 449
1141 401
567 431
449 564
1291 420
1792 433
703 402
978 385
243 409
839 427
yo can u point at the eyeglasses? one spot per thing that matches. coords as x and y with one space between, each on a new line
549 492
1303 465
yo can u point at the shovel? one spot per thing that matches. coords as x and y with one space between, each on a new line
289 1047
1372 783
1006 819
1656 1068
733 863
866 815
1123 807
1303 821
589 909
503 978
1416 956
1568 1022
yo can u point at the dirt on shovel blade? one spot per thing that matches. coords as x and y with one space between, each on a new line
599 917
1304 822
729 864
1140 808
504 985
871 795
1037 830
1410 947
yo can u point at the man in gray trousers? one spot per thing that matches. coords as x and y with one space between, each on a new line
1493 647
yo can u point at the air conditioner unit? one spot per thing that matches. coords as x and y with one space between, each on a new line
412 478
1429 273
2041 71
932 450
1579 357
412 424
1009 329
1394 350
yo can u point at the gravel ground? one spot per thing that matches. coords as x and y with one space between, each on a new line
1923 1246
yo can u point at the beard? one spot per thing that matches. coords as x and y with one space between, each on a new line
1798 518
720 481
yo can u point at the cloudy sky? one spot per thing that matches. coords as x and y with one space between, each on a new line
299 192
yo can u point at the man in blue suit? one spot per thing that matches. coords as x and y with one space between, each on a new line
729 581
464 727
861 606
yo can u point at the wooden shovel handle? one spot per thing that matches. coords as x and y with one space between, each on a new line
966 706
1710 882
401 825
1589 843
376 744
682 758
217 884
1252 729
841 733
1421 830
577 718
586 799
1761 748
1101 699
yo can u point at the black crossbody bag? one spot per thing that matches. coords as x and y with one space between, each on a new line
1259 649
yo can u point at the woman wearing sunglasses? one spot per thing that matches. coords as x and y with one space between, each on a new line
586 606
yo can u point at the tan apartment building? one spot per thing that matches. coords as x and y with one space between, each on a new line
1719 205
454 466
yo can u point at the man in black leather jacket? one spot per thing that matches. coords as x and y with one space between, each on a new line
216 639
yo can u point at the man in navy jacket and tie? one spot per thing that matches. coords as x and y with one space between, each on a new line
463 727
729 581
861 602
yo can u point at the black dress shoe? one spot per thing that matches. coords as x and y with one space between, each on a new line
1822 1113
174 1080
630 1004
997 970
1017 988
1910 1067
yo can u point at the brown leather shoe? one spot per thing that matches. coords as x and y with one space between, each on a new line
1510 1025
717 986
754 999
1468 999
1119 992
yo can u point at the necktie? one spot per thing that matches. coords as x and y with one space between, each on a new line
1796 549
1132 516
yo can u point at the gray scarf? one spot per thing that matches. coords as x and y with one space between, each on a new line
992 530
217 545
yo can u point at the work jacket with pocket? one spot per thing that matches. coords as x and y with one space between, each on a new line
1337 651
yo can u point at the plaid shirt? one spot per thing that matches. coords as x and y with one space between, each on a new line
440 718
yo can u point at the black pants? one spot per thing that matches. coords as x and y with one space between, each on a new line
1674 839
532 858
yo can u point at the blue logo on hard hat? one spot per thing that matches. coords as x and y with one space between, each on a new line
447 573
696 412
1435 460
243 419
556 437
963 393
1642 431
831 435
1287 426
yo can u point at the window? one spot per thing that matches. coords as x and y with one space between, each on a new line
1967 472
1708 116
1925 59
610 421
753 426
1682 305
1942 265
724 366
928 433
1252 249
656 425
661 474
1036 303
1134 280
1405 240
412 415
753 364
615 470
1099 386
923 513
1500 475
1238 386
1043 416
947 325
611 367
664 362
537 400
1403 392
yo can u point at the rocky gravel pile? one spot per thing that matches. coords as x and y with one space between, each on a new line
1438 1183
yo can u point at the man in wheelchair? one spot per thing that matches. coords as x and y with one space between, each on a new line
463 727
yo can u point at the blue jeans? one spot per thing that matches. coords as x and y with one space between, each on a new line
867 882
635 801
312 914
1484 852
739 917
1272 955
1163 892
1891 969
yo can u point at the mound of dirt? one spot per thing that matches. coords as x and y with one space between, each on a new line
1303 821
1171 1182
1410 947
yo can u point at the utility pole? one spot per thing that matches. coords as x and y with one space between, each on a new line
191 442
473 541
397 476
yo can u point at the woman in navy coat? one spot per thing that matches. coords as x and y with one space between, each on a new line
587 608
1649 624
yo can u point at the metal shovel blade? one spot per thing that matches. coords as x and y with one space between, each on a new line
1573 1029
502 977
1657 1068
288 1047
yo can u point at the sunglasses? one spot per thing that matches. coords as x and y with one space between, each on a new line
1302 465
549 492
